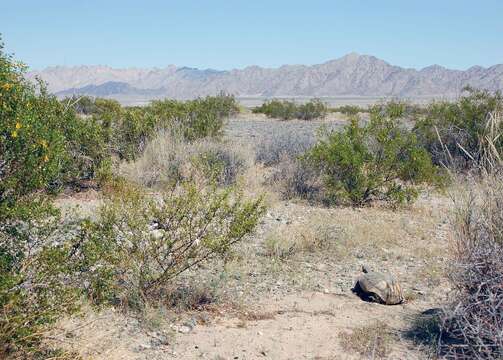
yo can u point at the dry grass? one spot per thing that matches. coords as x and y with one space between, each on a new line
288 240
474 320
168 158
371 341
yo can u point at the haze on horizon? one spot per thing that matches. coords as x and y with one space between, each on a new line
223 35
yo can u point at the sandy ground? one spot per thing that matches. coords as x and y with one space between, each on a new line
298 307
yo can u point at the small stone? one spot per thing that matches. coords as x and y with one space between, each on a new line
143 347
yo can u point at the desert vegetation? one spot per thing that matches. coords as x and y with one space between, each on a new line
287 110
184 212
49 263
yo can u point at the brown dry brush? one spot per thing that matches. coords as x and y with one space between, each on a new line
472 327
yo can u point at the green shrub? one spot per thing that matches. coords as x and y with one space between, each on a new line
463 134
313 109
349 109
195 119
37 281
42 145
287 110
142 243
378 161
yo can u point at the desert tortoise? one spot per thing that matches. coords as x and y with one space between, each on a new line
378 287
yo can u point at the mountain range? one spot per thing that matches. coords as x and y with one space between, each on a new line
350 75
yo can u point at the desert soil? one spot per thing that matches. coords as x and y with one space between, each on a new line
297 307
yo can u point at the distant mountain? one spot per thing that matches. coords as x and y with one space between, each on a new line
351 75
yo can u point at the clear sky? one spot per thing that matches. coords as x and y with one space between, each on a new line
236 33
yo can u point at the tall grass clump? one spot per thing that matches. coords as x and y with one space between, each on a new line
381 160
472 326
287 110
465 134
169 159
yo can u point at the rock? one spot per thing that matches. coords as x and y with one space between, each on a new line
143 347
183 329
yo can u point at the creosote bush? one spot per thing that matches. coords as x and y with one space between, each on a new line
378 161
349 109
47 263
473 325
142 243
287 110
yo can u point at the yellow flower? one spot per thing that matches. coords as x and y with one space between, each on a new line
46 158
18 125
14 134
6 86
43 143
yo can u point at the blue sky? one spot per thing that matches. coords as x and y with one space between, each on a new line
233 34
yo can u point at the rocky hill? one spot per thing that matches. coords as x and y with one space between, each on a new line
351 75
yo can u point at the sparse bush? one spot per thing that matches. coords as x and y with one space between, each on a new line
377 161
287 110
219 164
474 322
314 109
296 178
142 243
37 281
271 150
464 134
398 108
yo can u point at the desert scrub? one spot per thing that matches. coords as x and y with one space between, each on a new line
168 159
296 178
43 145
472 326
38 281
378 161
465 134
350 110
142 243
271 150
220 164
287 110
195 119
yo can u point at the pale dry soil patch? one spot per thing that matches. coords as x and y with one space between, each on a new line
298 305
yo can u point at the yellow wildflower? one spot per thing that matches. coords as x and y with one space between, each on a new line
7 86
43 143
18 125
14 134
46 158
